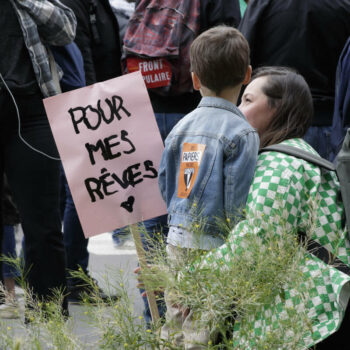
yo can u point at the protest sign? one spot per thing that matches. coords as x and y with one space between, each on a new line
110 148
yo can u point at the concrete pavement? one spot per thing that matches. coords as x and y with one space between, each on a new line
104 258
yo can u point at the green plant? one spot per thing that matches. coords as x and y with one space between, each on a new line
44 325
227 298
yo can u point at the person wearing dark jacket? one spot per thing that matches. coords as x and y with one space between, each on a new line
212 13
308 36
28 154
98 40
341 116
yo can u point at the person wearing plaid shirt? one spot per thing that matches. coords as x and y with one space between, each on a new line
28 154
278 103
44 22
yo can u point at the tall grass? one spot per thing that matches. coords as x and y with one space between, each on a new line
226 299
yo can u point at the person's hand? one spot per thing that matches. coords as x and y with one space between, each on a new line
184 310
141 284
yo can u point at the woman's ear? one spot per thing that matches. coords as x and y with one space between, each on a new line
248 75
196 82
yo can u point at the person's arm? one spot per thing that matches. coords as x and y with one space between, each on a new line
239 167
84 37
163 176
56 23
275 196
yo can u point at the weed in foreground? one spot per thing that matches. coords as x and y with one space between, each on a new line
228 299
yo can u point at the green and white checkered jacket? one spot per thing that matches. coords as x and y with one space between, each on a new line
287 185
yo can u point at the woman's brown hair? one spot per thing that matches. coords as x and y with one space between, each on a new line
288 93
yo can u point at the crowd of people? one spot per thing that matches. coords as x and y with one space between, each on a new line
245 75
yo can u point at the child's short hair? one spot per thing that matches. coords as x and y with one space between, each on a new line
220 58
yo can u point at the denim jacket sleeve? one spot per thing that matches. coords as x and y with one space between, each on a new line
56 23
162 170
239 167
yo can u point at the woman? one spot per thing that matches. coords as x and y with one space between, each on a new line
286 189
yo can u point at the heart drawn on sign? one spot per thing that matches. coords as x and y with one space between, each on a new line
129 204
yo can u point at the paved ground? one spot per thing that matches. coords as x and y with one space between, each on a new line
104 257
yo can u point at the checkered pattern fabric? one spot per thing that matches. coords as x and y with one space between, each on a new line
295 189
44 23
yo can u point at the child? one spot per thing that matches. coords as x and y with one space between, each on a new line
209 159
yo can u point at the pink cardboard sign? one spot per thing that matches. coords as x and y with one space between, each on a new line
110 148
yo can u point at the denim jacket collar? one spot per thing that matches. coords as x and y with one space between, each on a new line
218 102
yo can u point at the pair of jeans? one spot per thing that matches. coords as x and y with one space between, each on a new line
34 181
165 122
120 235
9 250
74 240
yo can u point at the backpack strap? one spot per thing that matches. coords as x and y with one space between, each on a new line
313 247
343 172
301 154
320 252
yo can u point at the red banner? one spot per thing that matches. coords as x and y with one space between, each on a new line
156 72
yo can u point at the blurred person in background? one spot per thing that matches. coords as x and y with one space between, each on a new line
309 37
99 43
28 153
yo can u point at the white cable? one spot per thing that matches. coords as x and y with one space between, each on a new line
19 125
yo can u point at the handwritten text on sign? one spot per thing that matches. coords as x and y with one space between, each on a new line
110 147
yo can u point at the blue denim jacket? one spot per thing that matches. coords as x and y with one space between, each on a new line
226 168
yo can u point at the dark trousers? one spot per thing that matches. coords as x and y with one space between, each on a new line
34 181
74 240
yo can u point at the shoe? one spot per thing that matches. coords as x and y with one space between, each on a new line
9 310
19 291
80 293
123 242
